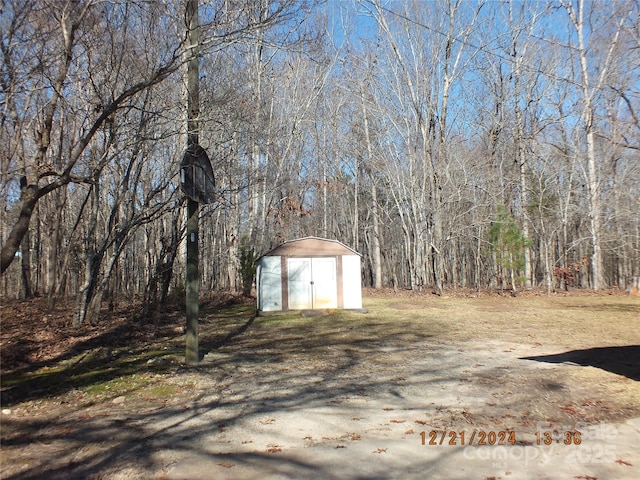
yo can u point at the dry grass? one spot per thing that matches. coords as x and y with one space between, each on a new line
571 322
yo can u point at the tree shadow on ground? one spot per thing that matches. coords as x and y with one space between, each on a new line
623 360
114 352
207 345
320 373
278 365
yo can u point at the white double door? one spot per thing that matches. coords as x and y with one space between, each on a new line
312 283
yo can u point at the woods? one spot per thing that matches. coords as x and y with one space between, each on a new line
455 144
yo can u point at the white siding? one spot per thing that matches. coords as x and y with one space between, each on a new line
269 276
351 281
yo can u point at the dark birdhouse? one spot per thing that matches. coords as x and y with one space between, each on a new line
196 175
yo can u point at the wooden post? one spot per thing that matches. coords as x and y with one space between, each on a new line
192 356
192 284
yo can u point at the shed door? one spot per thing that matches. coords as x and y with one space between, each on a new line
299 271
325 287
312 283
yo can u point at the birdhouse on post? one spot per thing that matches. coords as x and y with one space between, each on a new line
196 175
198 184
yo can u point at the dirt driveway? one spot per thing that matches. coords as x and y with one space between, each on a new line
416 388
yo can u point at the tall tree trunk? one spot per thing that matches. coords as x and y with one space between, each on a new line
376 256
520 159
93 260
592 174
25 266
28 199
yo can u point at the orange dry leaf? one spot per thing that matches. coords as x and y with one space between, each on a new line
355 436
421 422
380 450
569 408
274 449
409 432
227 464
268 421
622 462
388 409
397 421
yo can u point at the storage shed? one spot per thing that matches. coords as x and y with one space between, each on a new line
309 273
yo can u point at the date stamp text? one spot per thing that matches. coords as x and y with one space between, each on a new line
476 437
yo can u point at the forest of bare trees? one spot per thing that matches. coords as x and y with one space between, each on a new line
453 143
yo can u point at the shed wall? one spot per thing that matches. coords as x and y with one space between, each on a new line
351 281
269 276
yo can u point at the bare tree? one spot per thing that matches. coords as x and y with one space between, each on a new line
590 89
65 25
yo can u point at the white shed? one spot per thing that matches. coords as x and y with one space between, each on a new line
309 273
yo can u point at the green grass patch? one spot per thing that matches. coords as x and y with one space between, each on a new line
121 385
101 372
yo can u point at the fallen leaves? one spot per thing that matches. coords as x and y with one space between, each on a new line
268 421
623 462
396 421
66 430
570 409
355 436
273 448
227 464
468 416
380 450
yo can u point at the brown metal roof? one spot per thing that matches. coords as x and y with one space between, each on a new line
311 247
